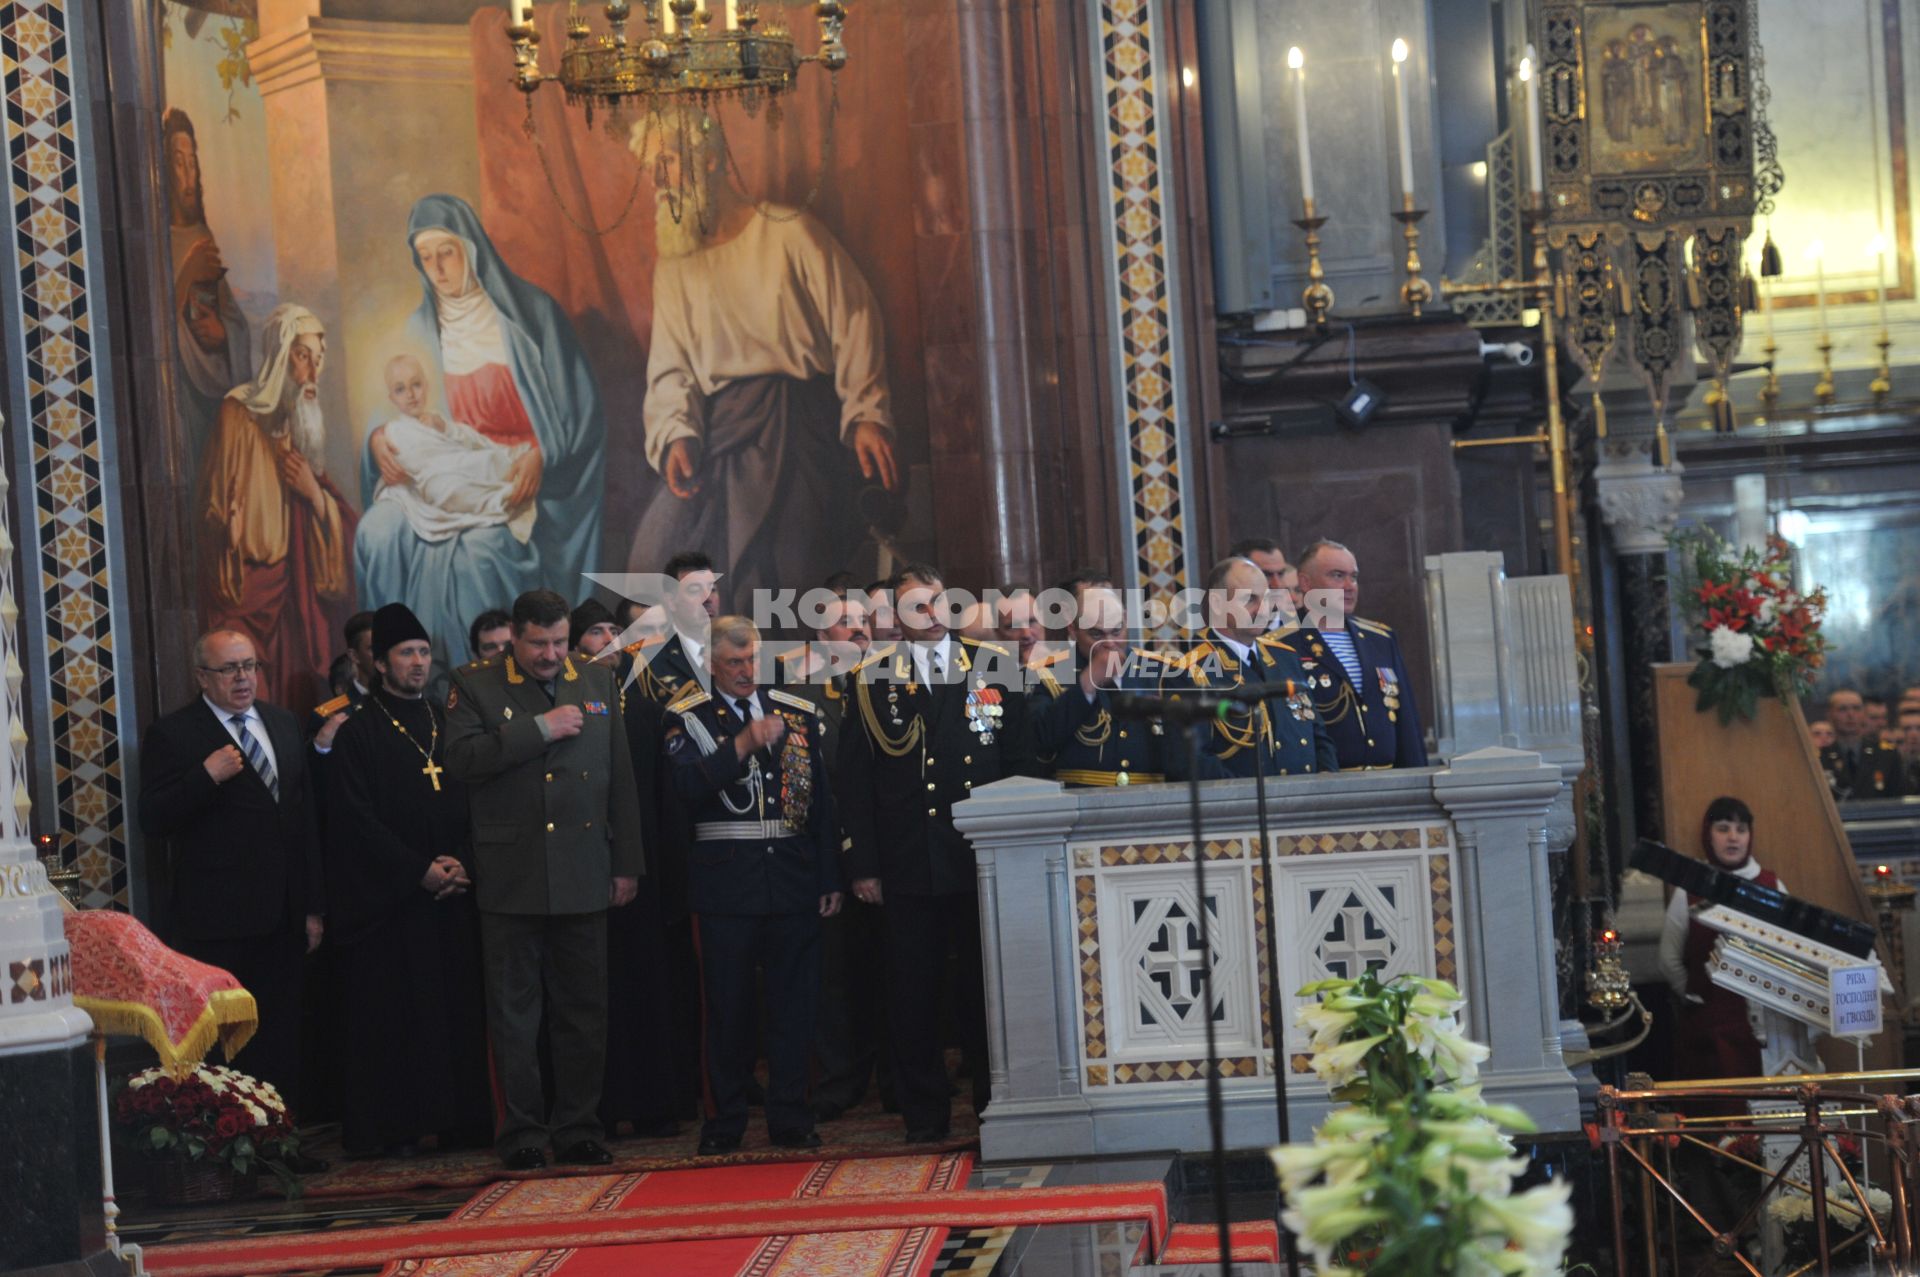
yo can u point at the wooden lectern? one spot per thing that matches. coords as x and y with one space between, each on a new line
1770 764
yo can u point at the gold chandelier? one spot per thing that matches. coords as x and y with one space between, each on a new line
679 55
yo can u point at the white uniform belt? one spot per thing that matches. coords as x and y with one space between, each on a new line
741 830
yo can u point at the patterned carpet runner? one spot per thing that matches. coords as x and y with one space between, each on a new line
870 1217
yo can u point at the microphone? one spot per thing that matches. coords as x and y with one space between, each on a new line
1192 707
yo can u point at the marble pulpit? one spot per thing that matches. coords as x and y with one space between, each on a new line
1089 912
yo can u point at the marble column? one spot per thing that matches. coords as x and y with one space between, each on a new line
1640 503
54 1220
998 99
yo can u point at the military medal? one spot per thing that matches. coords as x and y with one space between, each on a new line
984 711
796 776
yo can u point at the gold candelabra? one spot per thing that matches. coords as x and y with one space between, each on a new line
1770 391
1416 292
1317 297
1882 385
680 53
1823 389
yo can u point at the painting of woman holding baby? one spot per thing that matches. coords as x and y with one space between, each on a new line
504 492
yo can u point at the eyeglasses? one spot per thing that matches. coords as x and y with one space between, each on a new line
234 669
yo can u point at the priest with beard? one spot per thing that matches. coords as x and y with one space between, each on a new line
400 916
275 534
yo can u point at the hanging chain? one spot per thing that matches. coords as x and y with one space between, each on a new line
1768 176
827 150
553 187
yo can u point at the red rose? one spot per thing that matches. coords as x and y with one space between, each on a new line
231 1124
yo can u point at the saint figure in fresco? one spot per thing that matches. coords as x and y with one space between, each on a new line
215 348
275 534
514 374
767 398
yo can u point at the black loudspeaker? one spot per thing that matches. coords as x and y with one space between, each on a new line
1358 406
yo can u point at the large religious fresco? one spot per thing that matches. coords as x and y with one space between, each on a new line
441 343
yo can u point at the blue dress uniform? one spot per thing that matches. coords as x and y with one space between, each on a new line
666 671
1375 725
1287 730
908 753
765 849
1086 745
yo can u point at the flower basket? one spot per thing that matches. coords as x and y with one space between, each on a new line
204 1135
173 1181
1754 633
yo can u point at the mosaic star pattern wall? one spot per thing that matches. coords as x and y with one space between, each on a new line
1145 322
66 548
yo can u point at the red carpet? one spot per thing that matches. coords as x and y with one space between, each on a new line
866 1132
1257 1242
867 1218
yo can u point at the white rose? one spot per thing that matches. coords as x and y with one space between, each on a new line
1729 648
1768 610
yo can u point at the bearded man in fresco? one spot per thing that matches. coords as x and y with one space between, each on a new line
214 348
767 399
276 536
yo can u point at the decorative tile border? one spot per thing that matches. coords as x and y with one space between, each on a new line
1141 288
56 327
1334 842
1093 1007
1182 1070
1440 877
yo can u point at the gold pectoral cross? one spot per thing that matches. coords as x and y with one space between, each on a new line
432 772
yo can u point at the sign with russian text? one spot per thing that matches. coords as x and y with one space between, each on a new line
1855 994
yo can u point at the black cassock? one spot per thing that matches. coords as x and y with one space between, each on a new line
413 1001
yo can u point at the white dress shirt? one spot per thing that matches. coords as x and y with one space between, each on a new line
256 727
923 657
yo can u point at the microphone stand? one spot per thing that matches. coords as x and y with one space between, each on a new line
1196 729
1282 1064
1196 714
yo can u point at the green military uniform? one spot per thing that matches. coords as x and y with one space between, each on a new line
553 824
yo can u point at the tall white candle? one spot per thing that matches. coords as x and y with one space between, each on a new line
733 14
666 17
1297 60
522 13
1406 126
1766 307
1529 76
1819 251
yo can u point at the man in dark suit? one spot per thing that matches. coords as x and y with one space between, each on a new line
931 718
226 798
690 605
750 765
1237 651
1355 672
540 740
849 1023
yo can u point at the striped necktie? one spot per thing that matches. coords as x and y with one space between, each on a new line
256 755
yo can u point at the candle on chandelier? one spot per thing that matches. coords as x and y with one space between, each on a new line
667 19
1297 63
1819 252
733 14
523 13
1880 277
1406 126
1536 178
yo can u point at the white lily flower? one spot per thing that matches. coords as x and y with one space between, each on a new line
1337 1065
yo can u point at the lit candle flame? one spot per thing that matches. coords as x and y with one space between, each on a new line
1295 58
1399 50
